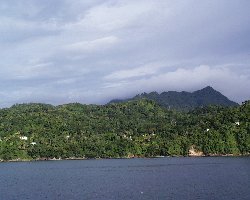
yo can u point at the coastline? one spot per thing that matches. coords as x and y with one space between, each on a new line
173 156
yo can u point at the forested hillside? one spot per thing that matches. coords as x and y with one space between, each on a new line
138 128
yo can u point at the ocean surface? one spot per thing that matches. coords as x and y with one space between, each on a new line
211 178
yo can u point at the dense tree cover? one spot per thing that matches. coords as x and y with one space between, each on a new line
185 101
139 128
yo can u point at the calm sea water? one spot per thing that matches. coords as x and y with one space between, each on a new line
221 178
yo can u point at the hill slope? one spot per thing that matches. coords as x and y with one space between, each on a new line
139 128
185 100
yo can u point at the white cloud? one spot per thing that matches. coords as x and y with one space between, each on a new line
95 50
149 69
17 30
112 16
223 79
92 45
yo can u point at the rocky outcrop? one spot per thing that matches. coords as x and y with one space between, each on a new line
193 152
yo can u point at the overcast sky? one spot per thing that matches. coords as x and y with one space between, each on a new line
91 51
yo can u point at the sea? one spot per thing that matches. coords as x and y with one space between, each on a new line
175 178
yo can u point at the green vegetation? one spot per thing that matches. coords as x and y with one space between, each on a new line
138 128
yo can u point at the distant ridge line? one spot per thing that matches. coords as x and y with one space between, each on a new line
184 101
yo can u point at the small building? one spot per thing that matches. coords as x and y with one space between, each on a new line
23 138
237 123
33 143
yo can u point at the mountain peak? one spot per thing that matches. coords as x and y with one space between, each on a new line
186 100
208 88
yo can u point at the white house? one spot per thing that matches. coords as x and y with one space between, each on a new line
33 143
23 138
237 123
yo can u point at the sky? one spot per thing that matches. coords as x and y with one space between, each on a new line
92 51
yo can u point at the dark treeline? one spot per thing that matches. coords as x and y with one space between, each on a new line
138 128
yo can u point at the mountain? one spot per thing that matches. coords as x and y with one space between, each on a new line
185 100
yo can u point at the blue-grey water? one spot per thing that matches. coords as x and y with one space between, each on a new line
221 178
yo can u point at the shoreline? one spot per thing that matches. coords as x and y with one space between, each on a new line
74 158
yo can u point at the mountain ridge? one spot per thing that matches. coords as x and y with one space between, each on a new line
184 101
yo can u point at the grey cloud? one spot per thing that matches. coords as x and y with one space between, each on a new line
222 78
91 51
